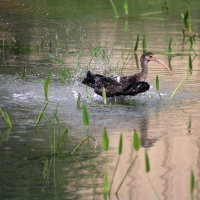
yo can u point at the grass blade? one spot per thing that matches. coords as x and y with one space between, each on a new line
85 115
144 45
78 103
41 113
96 50
136 141
174 92
126 7
192 184
120 145
169 45
58 60
157 83
46 87
114 8
104 96
190 64
158 86
147 163
6 118
137 42
105 140
105 182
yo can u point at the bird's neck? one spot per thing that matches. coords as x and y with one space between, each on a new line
144 72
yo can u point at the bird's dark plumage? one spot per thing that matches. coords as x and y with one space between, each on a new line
126 85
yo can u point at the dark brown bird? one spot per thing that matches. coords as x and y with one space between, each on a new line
126 85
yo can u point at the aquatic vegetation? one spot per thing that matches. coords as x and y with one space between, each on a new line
105 140
6 118
147 162
137 42
63 74
96 50
144 45
126 7
24 73
165 6
58 60
158 86
192 184
136 146
170 45
148 169
190 65
40 115
175 90
85 115
185 17
46 86
78 103
114 9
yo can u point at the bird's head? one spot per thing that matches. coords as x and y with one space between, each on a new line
148 56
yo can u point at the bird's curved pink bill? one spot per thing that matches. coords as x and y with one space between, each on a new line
162 63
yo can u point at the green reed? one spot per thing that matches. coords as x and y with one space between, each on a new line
136 146
136 60
58 60
40 115
158 86
46 87
190 67
170 45
120 148
24 73
144 45
6 118
165 6
148 169
78 103
63 74
105 140
114 9
62 140
185 16
105 147
126 7
85 115
177 87
192 184
137 42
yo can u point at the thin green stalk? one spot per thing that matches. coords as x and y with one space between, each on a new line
128 170
82 142
144 45
114 8
44 106
153 187
6 118
174 92
192 184
119 156
137 42
157 86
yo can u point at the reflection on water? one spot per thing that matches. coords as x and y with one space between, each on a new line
31 34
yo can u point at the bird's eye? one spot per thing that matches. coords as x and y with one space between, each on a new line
150 56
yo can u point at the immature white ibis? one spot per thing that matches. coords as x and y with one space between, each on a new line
126 85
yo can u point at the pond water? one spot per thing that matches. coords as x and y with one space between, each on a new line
42 37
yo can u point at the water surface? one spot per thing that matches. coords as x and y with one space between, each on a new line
69 30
